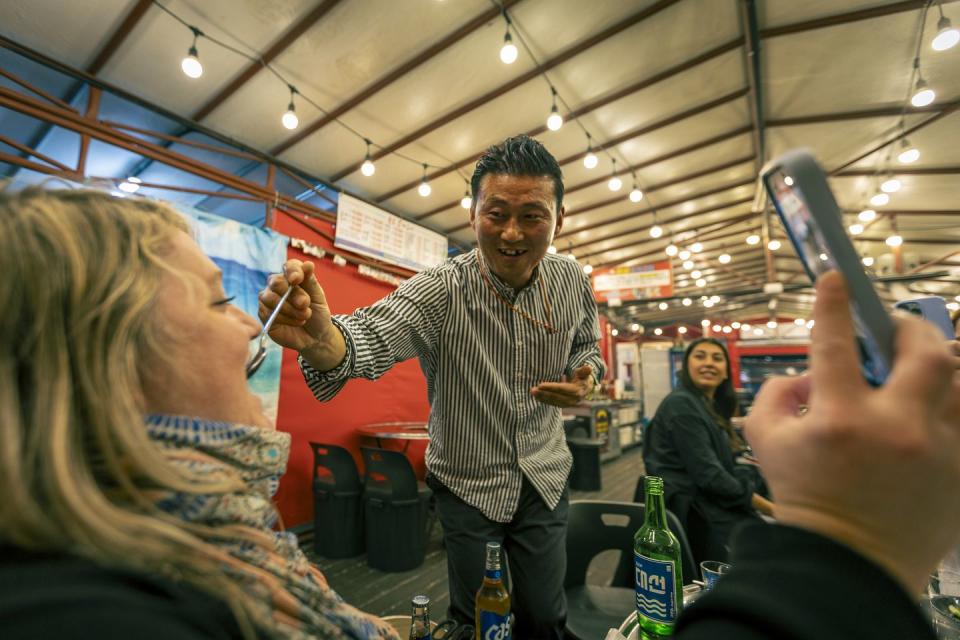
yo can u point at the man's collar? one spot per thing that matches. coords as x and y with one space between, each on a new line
502 287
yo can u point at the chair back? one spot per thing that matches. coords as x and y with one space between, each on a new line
595 526
389 476
334 469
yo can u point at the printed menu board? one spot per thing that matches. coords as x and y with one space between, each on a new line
371 231
633 283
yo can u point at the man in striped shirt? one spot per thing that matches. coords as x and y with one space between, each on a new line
506 335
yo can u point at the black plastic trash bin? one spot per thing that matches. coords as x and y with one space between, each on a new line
337 507
585 475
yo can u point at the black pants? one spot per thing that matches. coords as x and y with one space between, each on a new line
535 542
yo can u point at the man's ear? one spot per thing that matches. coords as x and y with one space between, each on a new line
556 229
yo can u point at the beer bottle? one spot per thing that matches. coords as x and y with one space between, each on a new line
420 618
656 555
492 610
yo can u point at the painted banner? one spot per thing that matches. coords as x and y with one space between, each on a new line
637 282
247 255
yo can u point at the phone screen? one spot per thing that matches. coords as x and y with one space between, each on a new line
817 258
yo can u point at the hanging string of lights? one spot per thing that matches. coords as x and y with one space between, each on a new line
193 68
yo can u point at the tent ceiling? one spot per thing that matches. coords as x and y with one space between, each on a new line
690 132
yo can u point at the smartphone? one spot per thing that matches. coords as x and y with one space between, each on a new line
798 188
933 309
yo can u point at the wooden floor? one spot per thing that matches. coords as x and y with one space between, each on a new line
389 593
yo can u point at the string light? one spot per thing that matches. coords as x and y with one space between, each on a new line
656 230
867 261
696 247
867 215
671 250
880 200
552 250
191 64
890 185
688 264
686 302
636 194
588 268
658 331
681 329
855 229
635 327
701 283
290 119
704 323
684 255
773 245
727 329
695 274
467 201
947 37
894 241
753 239
368 168
708 303
909 154
615 182
130 185
724 258
555 120
772 324
590 160
508 52
615 332
799 322
424 189
923 95
735 324
663 306
716 328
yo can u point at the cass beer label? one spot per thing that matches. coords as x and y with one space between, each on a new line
655 589
493 626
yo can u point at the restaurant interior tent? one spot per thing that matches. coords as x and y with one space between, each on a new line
661 113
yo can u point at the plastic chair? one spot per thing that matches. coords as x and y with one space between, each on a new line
337 510
395 507
594 609
585 474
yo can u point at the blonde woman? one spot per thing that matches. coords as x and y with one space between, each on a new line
136 469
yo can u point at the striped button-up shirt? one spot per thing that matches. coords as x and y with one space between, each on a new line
480 358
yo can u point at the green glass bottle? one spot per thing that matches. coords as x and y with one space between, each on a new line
656 556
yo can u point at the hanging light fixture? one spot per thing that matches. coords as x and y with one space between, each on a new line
555 120
190 65
681 329
688 265
922 95
724 258
855 229
290 119
467 201
552 250
696 247
508 52
615 182
753 239
695 274
656 230
701 283
130 185
704 323
867 215
908 153
773 245
590 160
424 189
947 36
658 331
890 185
684 254
367 168
671 250
894 241
588 268
663 306
636 195
867 261
880 199
686 302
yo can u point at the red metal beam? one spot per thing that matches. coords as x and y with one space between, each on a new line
405 68
33 152
33 89
275 49
131 20
184 141
548 64
17 161
585 109
93 110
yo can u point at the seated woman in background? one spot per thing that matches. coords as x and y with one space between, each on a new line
692 445
137 469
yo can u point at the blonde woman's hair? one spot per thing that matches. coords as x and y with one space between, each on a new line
78 327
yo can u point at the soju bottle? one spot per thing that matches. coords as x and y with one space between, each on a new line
656 555
492 609
420 618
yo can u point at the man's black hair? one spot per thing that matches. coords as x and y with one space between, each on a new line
519 156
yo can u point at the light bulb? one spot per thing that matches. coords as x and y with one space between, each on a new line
590 160
701 283
753 239
924 94
724 258
745 326
799 322
880 199
696 247
588 269
695 274
508 52
614 332
466 201
686 302
894 241
773 245
726 329
684 255
735 324
688 264
681 330
909 154
614 184
947 37
130 185
191 64
708 303
671 250
551 249
635 327
890 186
772 324
663 306
704 323
867 215
424 189
636 195
290 119
658 331
716 328
555 121
855 229
368 168
867 261
656 231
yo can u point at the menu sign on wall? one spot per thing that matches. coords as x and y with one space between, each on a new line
633 283
370 231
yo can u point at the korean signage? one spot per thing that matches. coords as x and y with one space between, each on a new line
633 283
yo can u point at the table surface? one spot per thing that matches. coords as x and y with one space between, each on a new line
395 430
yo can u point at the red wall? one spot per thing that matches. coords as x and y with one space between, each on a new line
399 395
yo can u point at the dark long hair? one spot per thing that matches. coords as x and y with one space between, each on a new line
724 403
